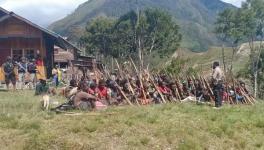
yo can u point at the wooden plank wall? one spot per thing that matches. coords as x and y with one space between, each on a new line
13 26
15 34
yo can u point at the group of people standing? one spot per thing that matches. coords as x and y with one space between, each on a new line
20 73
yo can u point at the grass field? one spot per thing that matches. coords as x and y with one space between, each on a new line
23 125
205 59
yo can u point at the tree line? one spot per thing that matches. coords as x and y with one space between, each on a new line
139 34
135 34
245 24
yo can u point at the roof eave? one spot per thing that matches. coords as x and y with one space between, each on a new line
60 41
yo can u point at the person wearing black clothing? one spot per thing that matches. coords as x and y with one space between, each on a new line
32 73
42 88
9 72
22 70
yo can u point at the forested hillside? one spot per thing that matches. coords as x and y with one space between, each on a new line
195 17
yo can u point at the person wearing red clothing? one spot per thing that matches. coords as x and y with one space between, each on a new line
225 96
238 90
99 103
92 89
102 92
239 95
40 68
163 89
39 61
167 92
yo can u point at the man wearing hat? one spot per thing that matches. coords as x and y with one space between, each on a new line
9 72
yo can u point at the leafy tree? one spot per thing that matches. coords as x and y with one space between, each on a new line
176 66
180 67
163 33
148 31
133 34
252 14
125 35
245 24
98 36
228 27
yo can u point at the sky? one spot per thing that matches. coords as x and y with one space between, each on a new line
44 12
234 2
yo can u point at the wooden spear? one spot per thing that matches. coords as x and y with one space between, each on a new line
208 88
157 89
247 98
129 85
140 79
123 94
119 88
118 67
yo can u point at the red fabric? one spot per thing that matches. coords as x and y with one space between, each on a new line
39 62
100 106
164 90
102 93
238 90
225 96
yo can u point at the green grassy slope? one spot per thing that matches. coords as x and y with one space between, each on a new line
204 60
196 17
173 126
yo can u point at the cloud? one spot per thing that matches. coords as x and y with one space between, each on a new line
234 2
42 12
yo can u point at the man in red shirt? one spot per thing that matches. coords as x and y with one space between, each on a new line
163 89
102 92
167 92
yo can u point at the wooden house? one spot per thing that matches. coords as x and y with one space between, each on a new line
21 38
74 64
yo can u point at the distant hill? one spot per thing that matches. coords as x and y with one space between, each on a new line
196 17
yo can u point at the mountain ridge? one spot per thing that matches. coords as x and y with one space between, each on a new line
196 17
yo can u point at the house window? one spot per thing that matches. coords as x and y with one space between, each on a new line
29 54
17 54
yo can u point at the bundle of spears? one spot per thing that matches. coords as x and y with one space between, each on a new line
136 86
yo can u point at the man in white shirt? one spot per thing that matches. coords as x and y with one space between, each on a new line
218 77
